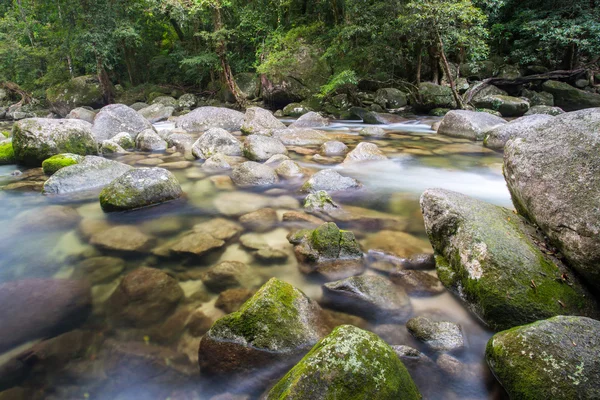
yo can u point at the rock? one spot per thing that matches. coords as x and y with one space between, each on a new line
99 270
276 326
226 275
551 359
259 121
509 72
398 244
478 70
372 131
365 152
124 140
554 111
144 297
262 220
139 106
78 92
507 106
83 114
269 255
310 120
438 335
276 160
93 173
334 148
417 283
289 169
538 98
569 98
187 101
48 218
36 308
249 84
237 203
373 297
7 153
554 182
156 112
497 137
252 173
110 147
300 136
165 101
261 148
204 118
36 139
390 98
218 162
349 363
468 124
320 202
140 187
59 161
330 181
231 300
487 90
195 244
118 118
183 143
122 238
488 257
216 140
148 140
219 228
295 110
435 96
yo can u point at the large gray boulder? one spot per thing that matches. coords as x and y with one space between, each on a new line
365 152
330 181
83 114
554 179
489 258
117 118
91 174
434 96
259 121
156 112
310 120
138 188
204 118
214 141
261 148
37 139
468 124
252 173
517 128
148 140
508 106
570 98
551 359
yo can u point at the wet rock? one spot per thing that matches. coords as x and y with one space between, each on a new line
226 275
231 300
37 139
365 152
288 169
310 120
373 297
554 111
417 283
140 187
508 106
219 228
235 204
216 140
156 112
276 326
117 118
260 122
435 96
497 137
252 173
110 147
148 140
195 244
556 358
124 140
199 323
300 136
424 261
204 118
570 98
488 257
77 92
412 357
330 181
83 114
320 203
47 218
269 255
99 269
261 148
398 244
218 162
262 220
122 238
276 160
54 163
372 131
468 124
144 296
333 148
34 308
554 182
438 335
183 143
302 218
357 364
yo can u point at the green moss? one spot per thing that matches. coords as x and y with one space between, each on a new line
59 161
7 154
326 240
6 134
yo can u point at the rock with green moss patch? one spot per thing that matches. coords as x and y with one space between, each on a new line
508 106
140 187
435 96
439 112
37 139
295 110
478 69
350 363
438 335
7 153
274 328
319 202
78 92
54 163
570 98
551 359
489 258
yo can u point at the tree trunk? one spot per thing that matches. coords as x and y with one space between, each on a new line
178 30
419 64
446 67
24 16
105 85
434 61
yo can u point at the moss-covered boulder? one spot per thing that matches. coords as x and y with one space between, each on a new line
478 70
350 363
390 98
434 96
570 98
54 163
276 327
508 106
37 139
470 125
7 153
295 110
489 258
538 98
551 359
140 187
78 92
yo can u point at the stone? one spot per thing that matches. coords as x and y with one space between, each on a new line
269 255
260 122
7 153
59 161
148 140
37 139
77 92
218 162
99 270
83 114
373 297
295 110
391 98
187 101
349 363
330 181
570 98
320 203
117 118
139 106
289 169
398 244
300 136
555 358
124 140
219 228
261 148
554 111
497 137
489 258
372 131
508 106
538 98
226 275
237 203
165 101
554 182
156 112
262 220
122 238
478 70
214 141
437 335
251 173
417 283
204 118
333 148
195 244
470 125
435 96
310 119
276 160
231 300
365 152
110 147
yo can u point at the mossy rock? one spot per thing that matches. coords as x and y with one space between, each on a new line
439 112
348 364
551 359
508 106
7 153
478 70
295 110
570 98
434 96
78 92
59 161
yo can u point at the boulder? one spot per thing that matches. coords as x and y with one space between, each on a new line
320 202
300 136
350 363
261 148
116 118
156 112
289 169
48 218
260 122
59 161
489 258
7 153
187 101
295 110
478 70
140 187
374 131
216 140
78 92
248 84
149 140
310 120
470 125
274 328
538 98
111 147
552 359
330 181
570 98
36 139
124 140
554 181
252 173
508 106
435 96
554 111
91 174
139 105
226 275
497 137
333 148
262 220
365 152
165 101
218 162
390 98
122 238
83 114
437 335
204 118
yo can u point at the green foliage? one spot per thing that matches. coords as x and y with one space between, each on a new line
344 78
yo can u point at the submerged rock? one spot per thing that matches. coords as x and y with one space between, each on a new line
349 363
330 181
117 118
226 275
204 118
262 148
417 283
259 121
252 173
195 244
365 152
518 128
122 238
551 359
468 124
214 141
438 335
59 161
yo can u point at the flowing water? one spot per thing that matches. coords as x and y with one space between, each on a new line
35 244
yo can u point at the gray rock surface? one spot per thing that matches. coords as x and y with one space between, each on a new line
252 173
204 118
261 148
468 124
438 335
148 140
216 140
117 118
517 128
310 120
330 181
258 121
365 152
